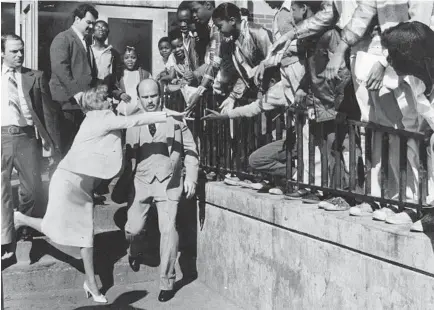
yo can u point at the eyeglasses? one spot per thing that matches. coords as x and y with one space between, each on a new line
101 27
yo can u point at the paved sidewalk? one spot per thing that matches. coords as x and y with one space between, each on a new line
138 296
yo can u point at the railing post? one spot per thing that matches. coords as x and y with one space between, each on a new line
324 157
352 163
289 130
311 148
402 169
337 148
385 165
368 160
300 121
423 172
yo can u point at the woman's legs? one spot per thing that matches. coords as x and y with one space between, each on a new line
87 255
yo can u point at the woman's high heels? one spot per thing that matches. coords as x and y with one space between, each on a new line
96 298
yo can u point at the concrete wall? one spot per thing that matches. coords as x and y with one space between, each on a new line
268 253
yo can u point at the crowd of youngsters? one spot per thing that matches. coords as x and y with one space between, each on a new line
328 58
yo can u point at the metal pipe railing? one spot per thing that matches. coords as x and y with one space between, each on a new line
226 151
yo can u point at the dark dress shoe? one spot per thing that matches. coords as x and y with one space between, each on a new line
25 234
99 199
134 263
166 295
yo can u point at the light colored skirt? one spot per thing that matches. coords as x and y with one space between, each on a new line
69 217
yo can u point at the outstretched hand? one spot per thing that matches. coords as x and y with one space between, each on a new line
175 114
284 41
375 77
332 69
214 116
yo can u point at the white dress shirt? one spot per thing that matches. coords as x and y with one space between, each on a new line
10 116
80 36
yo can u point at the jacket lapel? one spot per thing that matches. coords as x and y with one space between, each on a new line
27 80
77 40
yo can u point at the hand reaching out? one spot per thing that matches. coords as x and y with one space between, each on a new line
214 116
125 97
375 77
332 69
227 105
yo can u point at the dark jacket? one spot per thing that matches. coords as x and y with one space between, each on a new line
45 113
327 97
71 72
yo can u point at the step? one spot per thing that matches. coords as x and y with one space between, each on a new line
140 295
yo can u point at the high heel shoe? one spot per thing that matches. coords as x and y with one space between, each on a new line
96 298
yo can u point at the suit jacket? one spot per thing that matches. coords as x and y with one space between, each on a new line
45 113
179 142
97 148
71 72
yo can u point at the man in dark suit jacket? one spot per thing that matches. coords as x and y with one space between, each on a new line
73 69
29 118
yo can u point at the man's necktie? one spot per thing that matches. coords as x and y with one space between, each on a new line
14 99
152 129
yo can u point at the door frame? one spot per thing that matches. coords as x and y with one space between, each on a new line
158 16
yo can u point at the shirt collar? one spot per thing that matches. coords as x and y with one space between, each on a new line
189 34
80 35
5 69
211 23
108 48
286 5
243 30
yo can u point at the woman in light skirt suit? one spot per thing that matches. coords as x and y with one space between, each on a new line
95 154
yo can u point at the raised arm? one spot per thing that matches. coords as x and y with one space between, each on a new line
113 122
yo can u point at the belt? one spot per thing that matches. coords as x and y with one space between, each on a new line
18 130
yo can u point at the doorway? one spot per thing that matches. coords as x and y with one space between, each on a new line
132 32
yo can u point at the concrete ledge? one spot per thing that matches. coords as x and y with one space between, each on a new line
389 242
265 252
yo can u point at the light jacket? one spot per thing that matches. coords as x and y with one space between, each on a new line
179 142
97 150
251 47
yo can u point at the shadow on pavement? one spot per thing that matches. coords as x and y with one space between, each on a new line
123 302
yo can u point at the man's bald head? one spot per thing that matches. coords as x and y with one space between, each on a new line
149 93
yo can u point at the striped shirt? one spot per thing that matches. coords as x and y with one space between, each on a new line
212 55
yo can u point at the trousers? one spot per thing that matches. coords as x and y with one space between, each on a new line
140 200
20 151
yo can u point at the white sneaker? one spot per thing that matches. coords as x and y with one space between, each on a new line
362 209
276 191
382 214
408 216
232 181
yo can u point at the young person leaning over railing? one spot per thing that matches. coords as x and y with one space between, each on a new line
410 49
